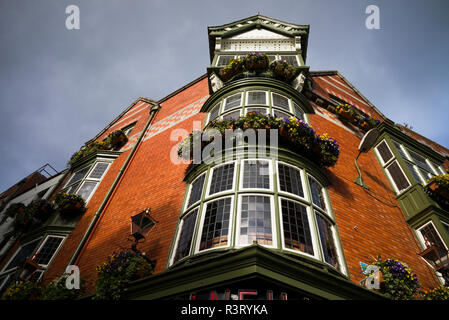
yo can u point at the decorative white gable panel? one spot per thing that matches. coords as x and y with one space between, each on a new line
230 45
259 34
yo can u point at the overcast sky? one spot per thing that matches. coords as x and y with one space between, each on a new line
60 87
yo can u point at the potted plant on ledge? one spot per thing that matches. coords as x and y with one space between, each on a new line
70 204
438 188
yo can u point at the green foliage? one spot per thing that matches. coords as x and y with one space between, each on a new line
441 180
438 293
23 290
117 272
70 203
282 69
57 290
399 281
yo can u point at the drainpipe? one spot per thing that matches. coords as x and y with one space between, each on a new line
97 215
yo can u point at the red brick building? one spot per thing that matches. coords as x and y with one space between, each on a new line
280 223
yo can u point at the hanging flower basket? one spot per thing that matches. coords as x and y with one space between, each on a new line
438 188
234 67
70 204
283 70
116 139
256 61
397 279
346 112
117 271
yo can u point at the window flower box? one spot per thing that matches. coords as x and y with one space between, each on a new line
88 149
293 133
346 112
438 188
23 290
234 67
70 204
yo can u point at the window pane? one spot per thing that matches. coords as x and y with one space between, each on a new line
296 227
77 176
214 112
222 178
185 238
86 189
327 241
257 97
292 60
255 220
73 188
258 110
197 188
290 180
256 174
412 170
216 224
24 252
232 115
398 177
233 101
224 60
298 112
384 151
317 194
401 152
280 101
47 250
281 114
420 161
272 58
431 237
98 171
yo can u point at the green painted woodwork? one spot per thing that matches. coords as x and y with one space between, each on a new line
209 271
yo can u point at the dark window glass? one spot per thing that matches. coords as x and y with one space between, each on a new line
98 171
222 178
197 188
281 114
24 252
280 101
255 220
77 176
214 112
296 226
398 176
412 171
86 189
327 240
47 250
256 174
257 97
420 161
317 194
216 224
290 180
292 60
401 152
233 101
298 112
185 238
224 60
431 237
258 110
232 115
384 151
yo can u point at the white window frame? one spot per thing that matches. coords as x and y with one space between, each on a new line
4 270
396 189
421 237
225 102
280 108
312 229
178 235
384 164
323 194
219 112
224 54
186 206
341 266
201 225
211 174
273 220
256 104
270 173
227 113
45 266
303 182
